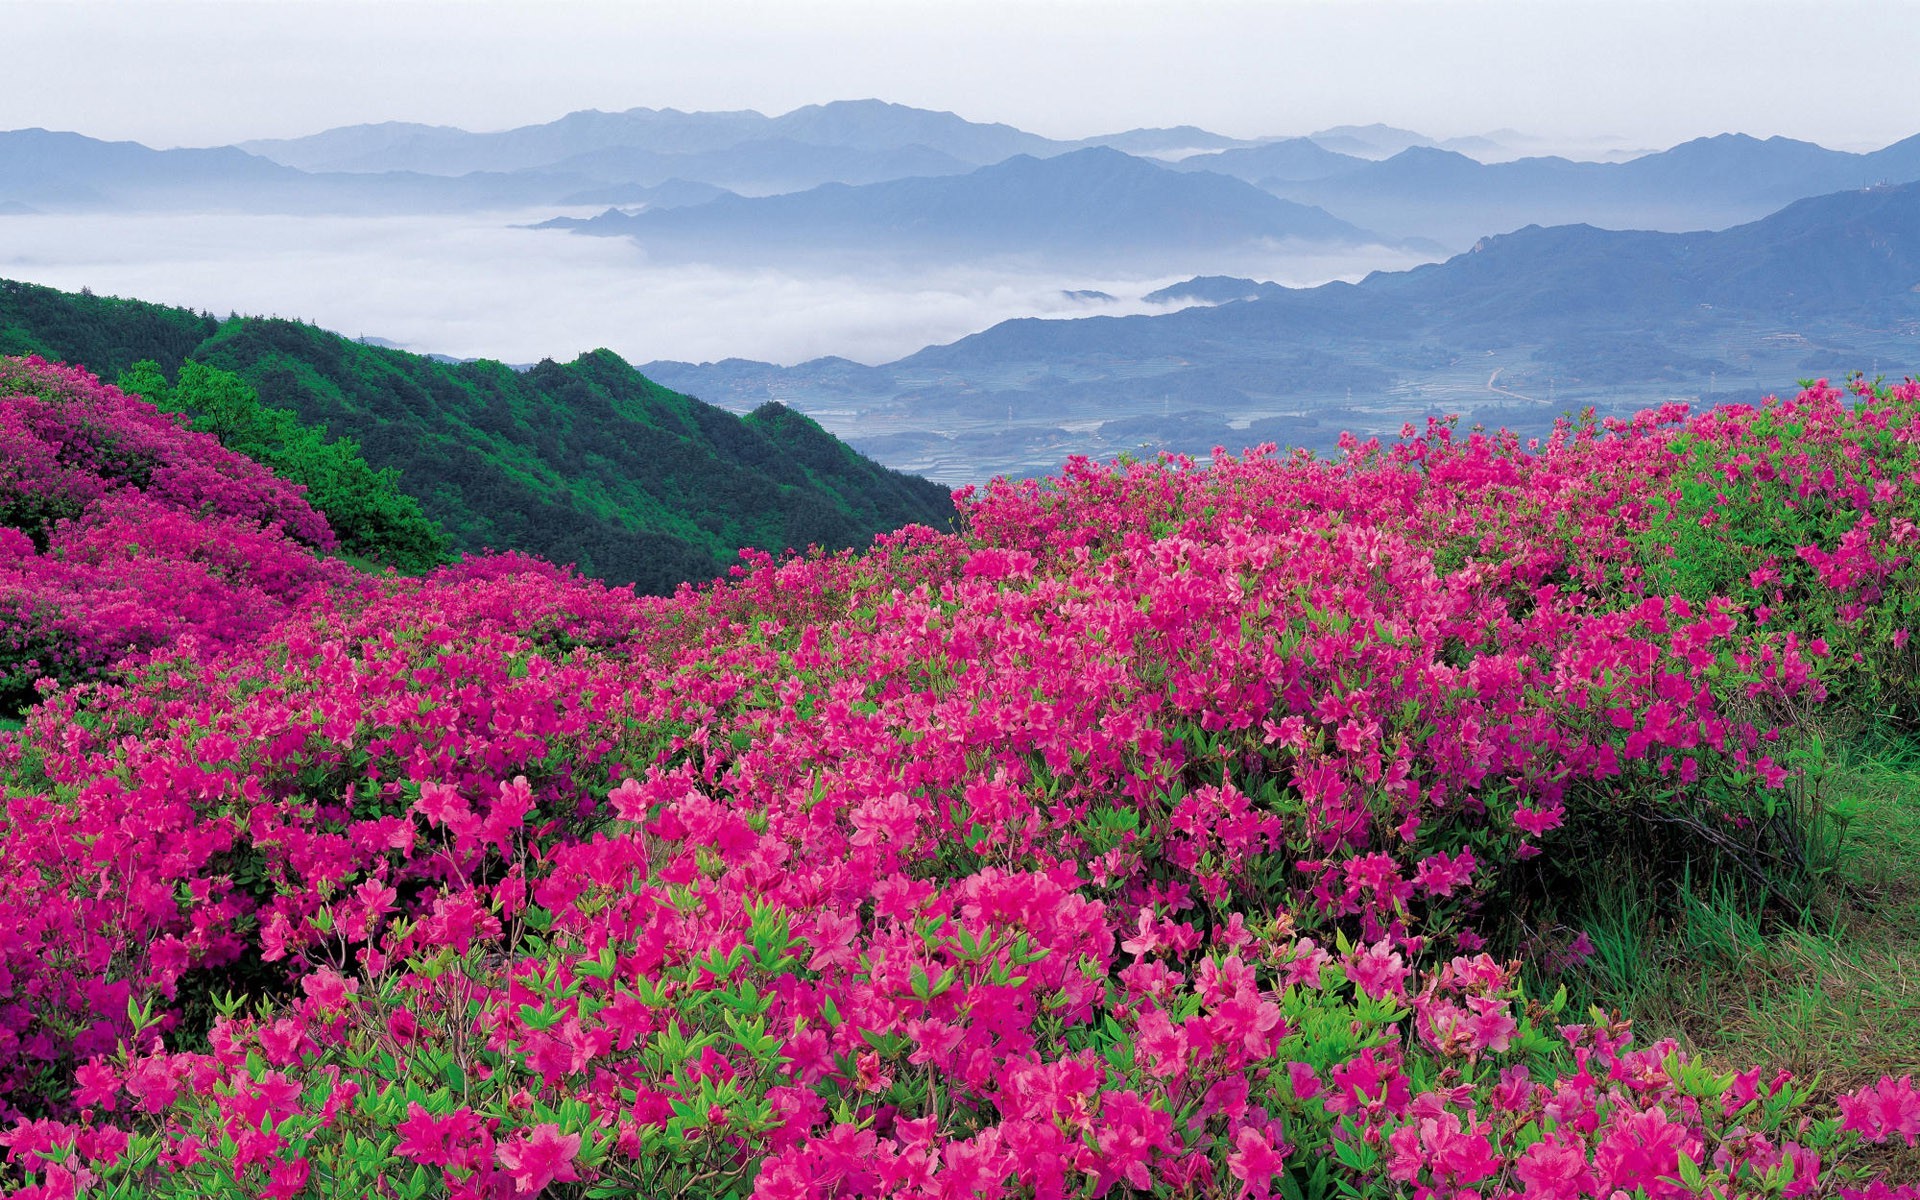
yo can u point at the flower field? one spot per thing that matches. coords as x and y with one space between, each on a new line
1171 831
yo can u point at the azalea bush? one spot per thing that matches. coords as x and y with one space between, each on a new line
122 532
1170 831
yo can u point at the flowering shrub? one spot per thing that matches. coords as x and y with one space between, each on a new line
1803 512
121 532
1142 840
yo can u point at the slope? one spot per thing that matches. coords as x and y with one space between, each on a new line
587 462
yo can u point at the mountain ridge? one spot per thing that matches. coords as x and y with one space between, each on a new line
1096 199
1709 182
1526 321
845 124
587 462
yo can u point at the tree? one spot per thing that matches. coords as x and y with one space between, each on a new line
370 515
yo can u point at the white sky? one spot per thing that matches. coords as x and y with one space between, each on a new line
198 72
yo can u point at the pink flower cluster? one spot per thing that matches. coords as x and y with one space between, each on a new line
1121 845
122 532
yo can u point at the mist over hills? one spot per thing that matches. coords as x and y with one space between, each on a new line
1287 160
1093 204
1559 301
1213 289
66 172
764 167
1706 183
870 125
1175 143
1514 332
727 139
1369 141
668 193
1398 184
42 169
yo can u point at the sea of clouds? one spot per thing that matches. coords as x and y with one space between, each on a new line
479 285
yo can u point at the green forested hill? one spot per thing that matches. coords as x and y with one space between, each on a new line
586 462
103 334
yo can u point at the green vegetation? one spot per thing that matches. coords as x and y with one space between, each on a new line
105 335
587 462
1831 990
373 519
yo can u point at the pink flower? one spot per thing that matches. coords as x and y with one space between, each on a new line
1555 1170
98 1086
1492 1025
435 1141
1254 1161
1880 1111
543 1156
1378 971
1641 1149
1129 1132
286 1180
1444 1148
441 804
629 800
328 989
832 941
1537 821
1305 1083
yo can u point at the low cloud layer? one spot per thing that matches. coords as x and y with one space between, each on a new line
475 286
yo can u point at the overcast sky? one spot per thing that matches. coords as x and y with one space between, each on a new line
192 72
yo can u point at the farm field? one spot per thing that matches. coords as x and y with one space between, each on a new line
1461 814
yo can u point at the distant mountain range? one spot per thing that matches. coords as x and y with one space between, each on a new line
1555 314
760 168
862 125
1379 141
42 171
1212 289
1287 160
939 173
1708 183
1085 206
1514 332
1369 141
869 125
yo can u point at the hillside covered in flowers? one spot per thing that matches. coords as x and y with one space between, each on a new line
1167 831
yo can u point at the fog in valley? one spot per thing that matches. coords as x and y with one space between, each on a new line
875 258
481 285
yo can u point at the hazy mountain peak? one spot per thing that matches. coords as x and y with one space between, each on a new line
1090 206
869 125
1431 154
881 125
870 105
1175 142
1376 130
1370 141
